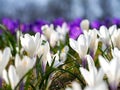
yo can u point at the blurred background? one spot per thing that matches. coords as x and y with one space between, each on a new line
30 10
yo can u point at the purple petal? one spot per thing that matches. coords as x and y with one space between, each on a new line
95 24
37 29
75 32
58 22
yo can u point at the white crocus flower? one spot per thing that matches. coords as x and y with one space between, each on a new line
11 76
31 43
62 31
92 34
60 57
112 70
92 77
84 24
51 34
80 46
57 61
54 39
115 38
48 30
44 51
24 65
105 35
63 54
15 74
75 86
4 59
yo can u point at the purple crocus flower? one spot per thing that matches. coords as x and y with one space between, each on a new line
116 21
58 22
40 22
75 32
95 24
107 22
24 27
76 22
10 24
75 29
37 29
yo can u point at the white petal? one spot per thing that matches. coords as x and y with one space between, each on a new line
96 46
13 77
31 62
116 53
23 42
76 86
28 44
81 40
73 44
31 46
86 75
37 36
104 64
91 64
100 75
112 29
5 59
47 53
68 88
5 76
100 86
37 40
103 31
54 38
82 51
17 60
114 67
82 46
84 24
92 69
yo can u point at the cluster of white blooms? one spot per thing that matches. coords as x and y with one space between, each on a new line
109 67
39 45
14 73
54 36
35 47
105 75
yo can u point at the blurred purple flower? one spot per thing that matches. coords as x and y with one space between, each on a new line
76 22
95 24
40 22
107 22
11 25
116 21
24 28
58 22
75 32
75 29
37 29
